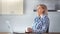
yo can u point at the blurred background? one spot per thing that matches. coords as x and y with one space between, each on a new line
15 23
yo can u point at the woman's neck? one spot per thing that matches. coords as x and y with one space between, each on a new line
40 15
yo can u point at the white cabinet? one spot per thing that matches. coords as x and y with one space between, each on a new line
12 7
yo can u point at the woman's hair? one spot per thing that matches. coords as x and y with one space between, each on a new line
45 8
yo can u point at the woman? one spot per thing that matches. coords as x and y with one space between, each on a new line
41 22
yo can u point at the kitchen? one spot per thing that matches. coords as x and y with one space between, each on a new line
19 23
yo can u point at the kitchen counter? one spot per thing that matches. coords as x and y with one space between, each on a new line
38 33
4 32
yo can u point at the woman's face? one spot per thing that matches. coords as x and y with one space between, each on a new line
40 10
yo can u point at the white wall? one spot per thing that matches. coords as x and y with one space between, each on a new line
19 23
54 22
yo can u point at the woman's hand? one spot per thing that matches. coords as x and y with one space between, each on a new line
29 29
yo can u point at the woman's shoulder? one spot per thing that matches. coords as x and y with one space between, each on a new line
46 17
36 18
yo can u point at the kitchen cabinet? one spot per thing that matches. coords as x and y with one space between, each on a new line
11 7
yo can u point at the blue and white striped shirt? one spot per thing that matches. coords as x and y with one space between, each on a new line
40 24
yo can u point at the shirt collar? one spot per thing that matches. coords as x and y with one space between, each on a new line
42 16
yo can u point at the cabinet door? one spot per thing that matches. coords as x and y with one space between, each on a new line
0 6
12 7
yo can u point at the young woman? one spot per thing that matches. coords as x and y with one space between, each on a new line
41 22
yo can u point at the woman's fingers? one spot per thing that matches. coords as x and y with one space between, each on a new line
29 29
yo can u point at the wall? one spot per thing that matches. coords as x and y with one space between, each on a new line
19 23
54 22
55 19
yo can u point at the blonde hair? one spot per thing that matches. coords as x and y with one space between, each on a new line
45 8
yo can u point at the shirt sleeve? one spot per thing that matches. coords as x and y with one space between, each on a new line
34 24
44 27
